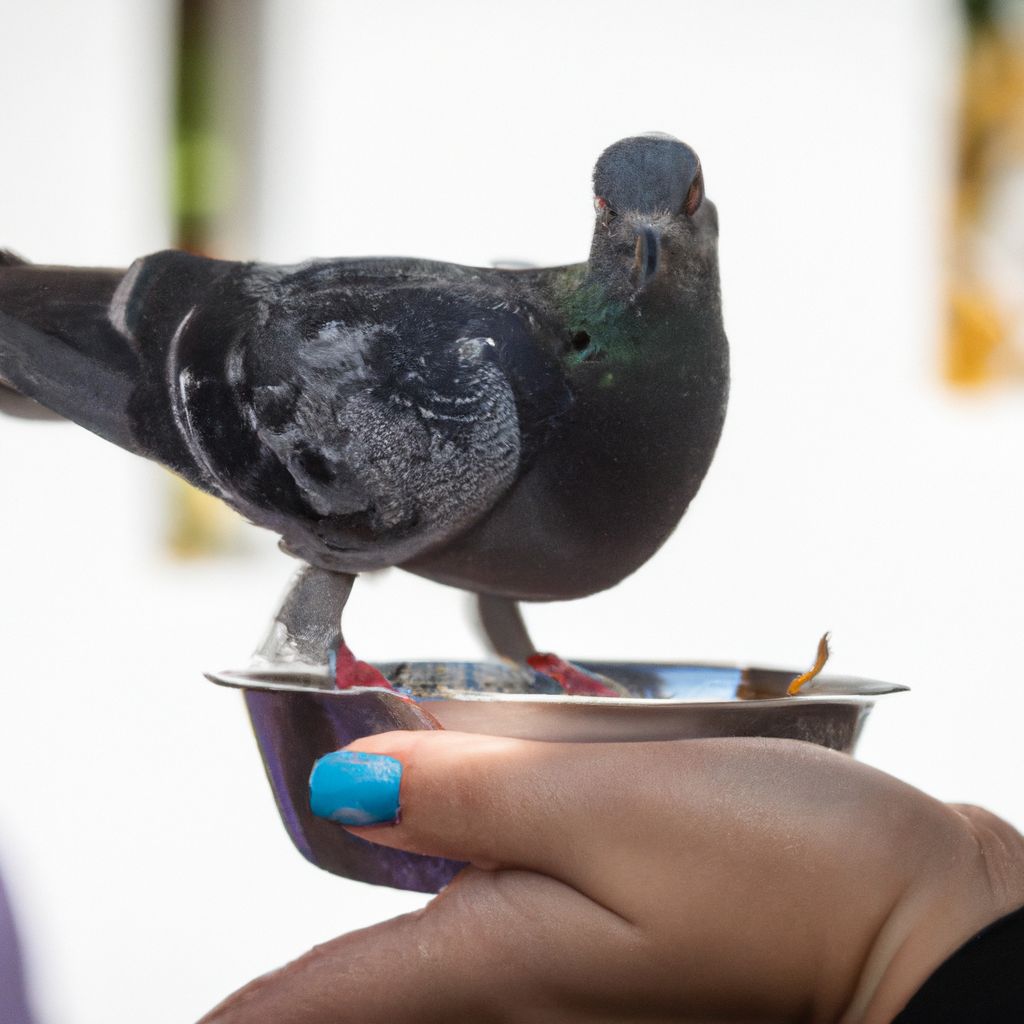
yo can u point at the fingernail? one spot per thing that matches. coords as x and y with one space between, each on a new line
355 788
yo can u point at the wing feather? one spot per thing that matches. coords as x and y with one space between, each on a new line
377 413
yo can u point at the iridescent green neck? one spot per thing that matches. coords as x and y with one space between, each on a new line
610 329
600 324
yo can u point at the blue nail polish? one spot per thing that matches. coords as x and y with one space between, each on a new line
355 788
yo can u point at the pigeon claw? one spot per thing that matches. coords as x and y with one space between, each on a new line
575 681
350 672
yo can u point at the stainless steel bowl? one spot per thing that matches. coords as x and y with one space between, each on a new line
298 717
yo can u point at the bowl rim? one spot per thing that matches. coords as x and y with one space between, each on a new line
309 679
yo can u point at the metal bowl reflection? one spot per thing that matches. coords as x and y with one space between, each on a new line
299 718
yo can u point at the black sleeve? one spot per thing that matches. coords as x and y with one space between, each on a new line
981 983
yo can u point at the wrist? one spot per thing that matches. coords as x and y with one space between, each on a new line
972 877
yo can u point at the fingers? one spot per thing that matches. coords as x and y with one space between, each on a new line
551 806
682 815
482 799
546 807
729 865
490 940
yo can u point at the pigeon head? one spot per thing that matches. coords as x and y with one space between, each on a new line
654 227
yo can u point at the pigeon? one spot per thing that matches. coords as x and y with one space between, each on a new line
527 434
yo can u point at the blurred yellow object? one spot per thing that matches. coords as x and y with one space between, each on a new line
985 328
215 141
975 332
200 525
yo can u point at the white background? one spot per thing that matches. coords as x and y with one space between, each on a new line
852 491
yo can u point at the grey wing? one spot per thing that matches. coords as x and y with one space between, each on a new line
59 356
85 343
13 404
395 446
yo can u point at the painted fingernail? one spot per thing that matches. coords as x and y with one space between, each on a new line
355 788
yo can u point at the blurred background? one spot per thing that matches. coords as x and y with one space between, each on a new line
866 162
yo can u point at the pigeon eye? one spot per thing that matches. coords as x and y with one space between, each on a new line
602 207
695 196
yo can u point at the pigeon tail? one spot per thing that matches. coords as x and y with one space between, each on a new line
60 347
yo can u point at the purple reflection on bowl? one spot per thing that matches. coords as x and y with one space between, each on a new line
293 730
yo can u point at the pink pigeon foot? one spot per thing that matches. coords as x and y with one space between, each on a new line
575 681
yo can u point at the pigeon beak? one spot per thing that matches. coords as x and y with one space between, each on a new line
648 251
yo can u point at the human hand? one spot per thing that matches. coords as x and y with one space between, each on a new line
732 879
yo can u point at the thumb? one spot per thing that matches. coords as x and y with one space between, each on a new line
492 801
